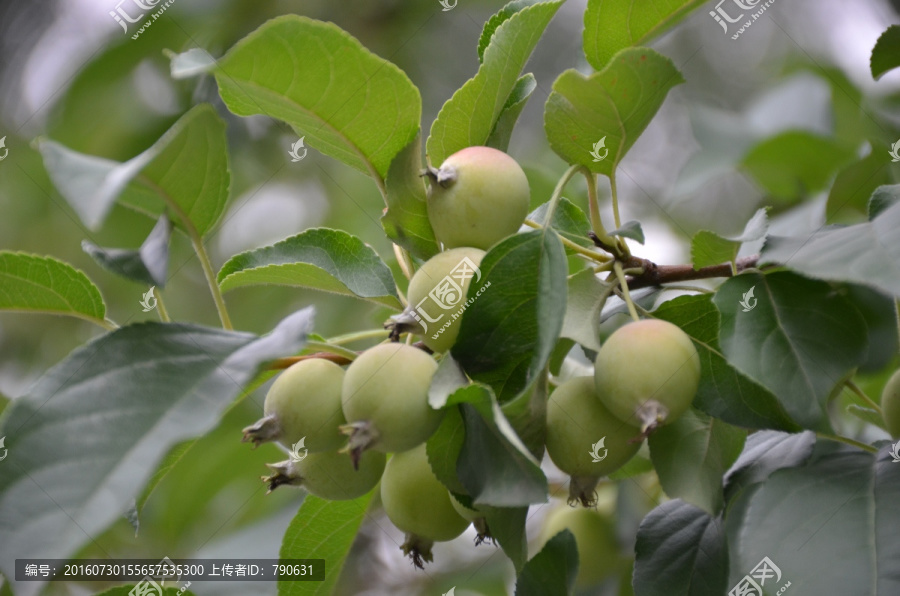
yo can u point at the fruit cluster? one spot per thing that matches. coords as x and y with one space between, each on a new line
346 422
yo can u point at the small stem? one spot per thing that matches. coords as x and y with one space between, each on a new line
107 324
577 248
557 192
689 289
862 395
848 441
623 283
282 363
594 205
615 199
160 306
197 243
358 336
406 265
656 275
321 346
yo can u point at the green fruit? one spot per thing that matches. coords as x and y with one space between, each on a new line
478 197
303 406
330 475
647 373
467 514
576 422
385 399
890 405
437 297
595 537
415 501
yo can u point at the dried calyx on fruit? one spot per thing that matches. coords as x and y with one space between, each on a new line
477 197
329 475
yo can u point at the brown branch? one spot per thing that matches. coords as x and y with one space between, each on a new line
656 275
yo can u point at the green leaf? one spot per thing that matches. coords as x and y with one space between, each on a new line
708 248
799 340
795 164
494 466
347 102
147 265
30 283
443 449
509 332
613 25
406 219
552 571
569 221
322 530
680 550
319 258
690 456
841 507
867 415
886 53
507 525
490 27
515 103
849 195
470 116
585 299
630 229
880 313
188 166
882 198
766 452
866 253
91 431
607 110
724 392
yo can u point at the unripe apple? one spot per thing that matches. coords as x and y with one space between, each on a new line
890 405
595 537
478 196
385 399
437 297
581 431
418 504
647 373
476 517
329 475
304 403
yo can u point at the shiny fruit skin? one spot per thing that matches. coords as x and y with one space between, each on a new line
890 405
648 361
485 200
387 386
331 475
576 420
438 338
598 551
415 501
306 401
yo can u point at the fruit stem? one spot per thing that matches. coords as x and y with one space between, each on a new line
339 340
848 441
596 220
862 395
623 283
615 199
577 248
321 346
160 306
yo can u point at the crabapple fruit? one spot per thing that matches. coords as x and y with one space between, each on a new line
330 475
598 551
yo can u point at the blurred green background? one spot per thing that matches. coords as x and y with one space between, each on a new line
68 72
